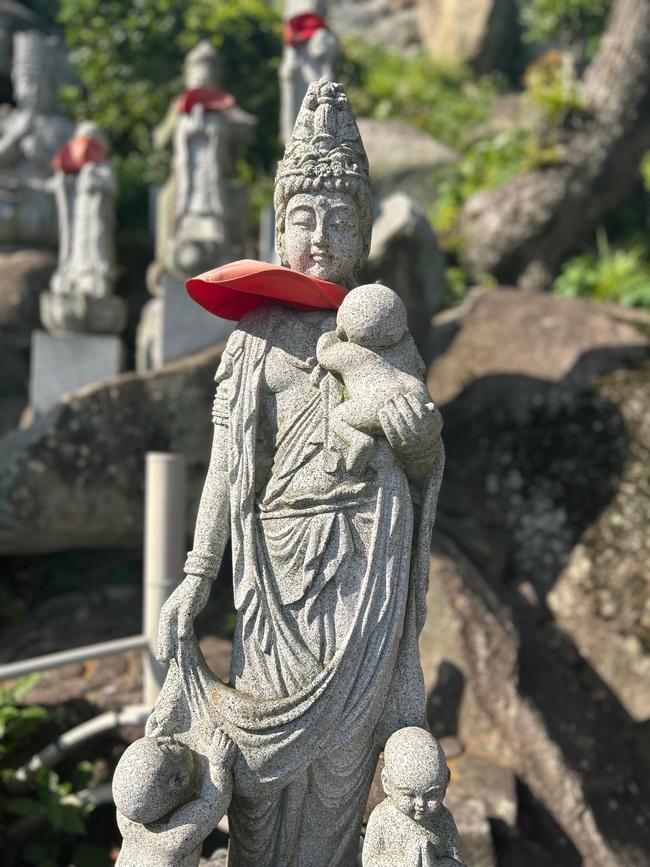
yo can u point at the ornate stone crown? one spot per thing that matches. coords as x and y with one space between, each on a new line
325 152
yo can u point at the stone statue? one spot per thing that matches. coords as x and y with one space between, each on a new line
201 212
412 828
85 189
308 55
169 799
30 135
329 568
376 358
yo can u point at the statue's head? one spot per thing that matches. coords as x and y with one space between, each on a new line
152 778
34 70
202 66
323 202
89 129
293 8
415 774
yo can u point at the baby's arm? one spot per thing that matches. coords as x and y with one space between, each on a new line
339 355
449 854
188 826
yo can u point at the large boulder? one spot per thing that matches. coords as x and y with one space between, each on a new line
392 23
74 478
23 276
480 32
538 544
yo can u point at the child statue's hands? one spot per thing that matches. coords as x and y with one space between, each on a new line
222 751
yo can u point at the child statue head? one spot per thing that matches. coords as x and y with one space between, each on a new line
415 774
372 315
323 203
152 778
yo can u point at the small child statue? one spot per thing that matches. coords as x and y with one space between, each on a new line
412 828
170 798
374 354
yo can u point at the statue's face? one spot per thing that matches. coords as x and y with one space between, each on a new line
200 75
322 236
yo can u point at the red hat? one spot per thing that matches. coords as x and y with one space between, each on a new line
234 289
300 28
76 152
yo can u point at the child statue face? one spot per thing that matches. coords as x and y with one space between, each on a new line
415 779
322 235
417 798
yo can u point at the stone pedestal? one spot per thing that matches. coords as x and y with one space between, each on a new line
63 364
173 325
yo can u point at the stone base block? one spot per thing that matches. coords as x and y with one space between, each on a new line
173 325
63 364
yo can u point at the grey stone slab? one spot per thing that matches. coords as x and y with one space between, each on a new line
63 364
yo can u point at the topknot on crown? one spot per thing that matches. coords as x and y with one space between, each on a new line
325 150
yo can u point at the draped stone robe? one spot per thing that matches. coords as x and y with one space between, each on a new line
329 575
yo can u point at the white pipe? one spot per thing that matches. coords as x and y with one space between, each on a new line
132 715
164 554
77 654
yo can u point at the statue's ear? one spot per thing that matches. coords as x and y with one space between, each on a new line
385 782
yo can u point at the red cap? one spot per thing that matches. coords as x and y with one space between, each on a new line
75 153
211 98
301 28
232 290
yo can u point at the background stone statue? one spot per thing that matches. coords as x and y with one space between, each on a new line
85 189
329 568
30 135
201 213
309 52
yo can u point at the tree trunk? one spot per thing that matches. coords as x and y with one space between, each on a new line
522 231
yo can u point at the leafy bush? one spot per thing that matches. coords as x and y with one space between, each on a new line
571 21
552 85
45 802
446 102
618 275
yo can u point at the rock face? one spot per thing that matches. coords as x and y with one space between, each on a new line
381 22
405 256
74 478
538 532
23 277
479 32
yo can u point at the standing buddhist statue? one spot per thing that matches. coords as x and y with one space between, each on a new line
330 535
30 135
85 190
200 213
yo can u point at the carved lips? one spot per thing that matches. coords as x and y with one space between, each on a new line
75 153
233 290
301 28
211 98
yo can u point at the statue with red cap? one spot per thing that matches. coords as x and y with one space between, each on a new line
329 557
309 52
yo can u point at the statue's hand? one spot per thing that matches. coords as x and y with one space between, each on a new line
412 425
179 612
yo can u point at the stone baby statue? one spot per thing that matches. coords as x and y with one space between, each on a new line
412 828
170 798
374 353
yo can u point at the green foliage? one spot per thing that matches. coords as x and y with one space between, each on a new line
552 85
619 275
45 798
18 723
571 21
486 164
445 102
645 171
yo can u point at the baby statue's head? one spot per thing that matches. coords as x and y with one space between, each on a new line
152 778
372 315
415 774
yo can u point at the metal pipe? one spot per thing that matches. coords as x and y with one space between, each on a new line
64 657
132 715
164 554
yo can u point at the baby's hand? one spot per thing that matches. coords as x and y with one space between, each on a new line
222 750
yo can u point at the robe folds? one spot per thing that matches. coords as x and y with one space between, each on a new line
329 586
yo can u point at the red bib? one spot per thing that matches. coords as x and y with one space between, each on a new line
75 153
210 98
301 28
234 289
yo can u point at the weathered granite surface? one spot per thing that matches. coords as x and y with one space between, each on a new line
328 566
412 826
